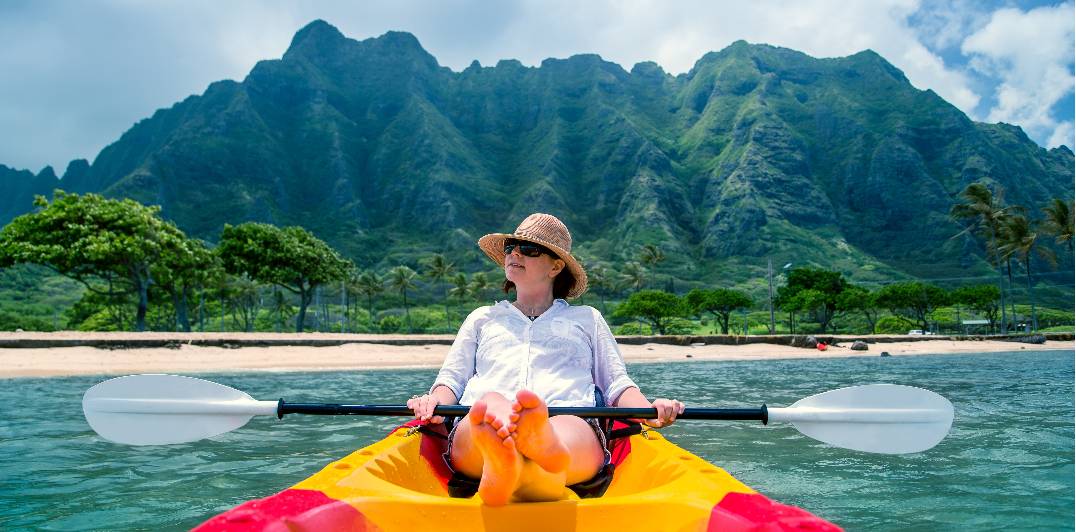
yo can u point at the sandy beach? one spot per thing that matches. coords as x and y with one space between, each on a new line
189 359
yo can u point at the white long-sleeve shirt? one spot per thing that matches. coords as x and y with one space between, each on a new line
561 356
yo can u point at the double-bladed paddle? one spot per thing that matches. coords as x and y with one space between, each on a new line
165 409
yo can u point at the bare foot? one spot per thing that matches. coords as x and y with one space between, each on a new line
534 436
501 462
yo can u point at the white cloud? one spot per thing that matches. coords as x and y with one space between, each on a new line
1062 134
1032 54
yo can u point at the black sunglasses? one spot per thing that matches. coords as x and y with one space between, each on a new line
529 249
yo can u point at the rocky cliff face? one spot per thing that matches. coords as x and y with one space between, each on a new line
756 151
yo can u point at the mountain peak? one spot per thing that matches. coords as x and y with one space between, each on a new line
402 40
316 41
47 173
316 34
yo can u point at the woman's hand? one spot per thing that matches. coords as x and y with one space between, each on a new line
667 409
423 406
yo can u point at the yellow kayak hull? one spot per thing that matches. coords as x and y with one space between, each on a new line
399 483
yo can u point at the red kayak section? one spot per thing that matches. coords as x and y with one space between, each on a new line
754 512
290 511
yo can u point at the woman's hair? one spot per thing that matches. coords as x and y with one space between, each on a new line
562 284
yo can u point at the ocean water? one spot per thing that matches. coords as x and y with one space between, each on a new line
1007 463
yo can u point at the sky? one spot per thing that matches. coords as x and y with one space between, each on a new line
74 75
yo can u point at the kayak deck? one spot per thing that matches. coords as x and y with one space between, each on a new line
400 483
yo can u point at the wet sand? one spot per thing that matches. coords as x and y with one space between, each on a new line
186 358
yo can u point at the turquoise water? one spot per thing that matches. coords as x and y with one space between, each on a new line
1008 462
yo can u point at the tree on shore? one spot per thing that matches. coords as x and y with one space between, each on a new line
633 275
858 299
650 256
827 284
913 300
982 213
186 266
479 285
291 258
982 299
1020 240
109 246
371 285
719 302
654 307
1058 222
438 270
401 278
461 288
600 279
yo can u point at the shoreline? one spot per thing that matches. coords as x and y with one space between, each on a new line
278 353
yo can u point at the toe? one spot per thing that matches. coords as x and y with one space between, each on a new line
477 412
528 399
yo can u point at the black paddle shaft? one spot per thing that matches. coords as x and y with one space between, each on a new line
332 409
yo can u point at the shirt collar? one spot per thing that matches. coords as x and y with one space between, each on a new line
557 306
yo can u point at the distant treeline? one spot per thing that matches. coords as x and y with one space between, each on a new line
141 272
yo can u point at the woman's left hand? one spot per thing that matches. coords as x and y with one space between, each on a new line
667 409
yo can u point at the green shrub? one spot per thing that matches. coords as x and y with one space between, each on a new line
893 325
632 328
389 324
680 326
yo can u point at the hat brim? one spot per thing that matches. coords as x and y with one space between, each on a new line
493 246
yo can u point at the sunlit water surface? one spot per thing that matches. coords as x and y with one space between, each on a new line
1008 462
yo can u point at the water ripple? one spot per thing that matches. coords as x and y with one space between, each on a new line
1007 463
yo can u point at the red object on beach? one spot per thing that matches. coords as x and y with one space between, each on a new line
822 346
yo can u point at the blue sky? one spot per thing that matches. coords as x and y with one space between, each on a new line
76 75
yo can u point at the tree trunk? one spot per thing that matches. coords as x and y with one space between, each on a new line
407 310
201 310
143 303
370 305
179 303
1004 316
1031 296
444 299
304 299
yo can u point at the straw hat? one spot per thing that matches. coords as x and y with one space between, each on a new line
544 229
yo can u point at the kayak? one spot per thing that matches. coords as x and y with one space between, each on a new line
401 483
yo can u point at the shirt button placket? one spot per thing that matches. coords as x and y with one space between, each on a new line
526 384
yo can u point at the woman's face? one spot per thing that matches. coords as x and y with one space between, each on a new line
527 271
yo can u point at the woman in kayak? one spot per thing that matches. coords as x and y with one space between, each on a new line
511 361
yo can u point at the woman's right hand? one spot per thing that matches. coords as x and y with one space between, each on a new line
423 406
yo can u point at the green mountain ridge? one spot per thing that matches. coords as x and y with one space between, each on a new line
756 151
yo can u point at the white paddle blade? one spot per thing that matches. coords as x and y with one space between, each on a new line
164 409
876 418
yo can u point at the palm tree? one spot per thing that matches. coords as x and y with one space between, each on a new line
479 284
633 275
651 255
401 278
1058 221
598 277
370 285
438 268
1020 239
461 288
983 214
